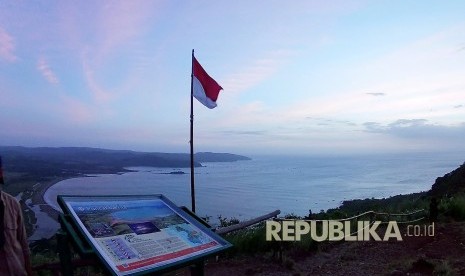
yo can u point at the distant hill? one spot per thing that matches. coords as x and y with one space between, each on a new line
80 160
218 157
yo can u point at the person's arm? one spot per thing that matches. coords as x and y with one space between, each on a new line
22 238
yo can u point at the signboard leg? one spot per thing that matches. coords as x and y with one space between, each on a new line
197 269
64 253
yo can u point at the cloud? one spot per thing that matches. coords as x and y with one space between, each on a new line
373 127
77 111
461 48
399 127
420 129
376 94
7 46
332 122
244 132
98 93
458 106
108 39
408 123
123 21
422 78
255 72
46 71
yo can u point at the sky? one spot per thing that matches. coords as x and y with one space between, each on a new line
299 77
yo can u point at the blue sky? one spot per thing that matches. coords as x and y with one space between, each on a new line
299 77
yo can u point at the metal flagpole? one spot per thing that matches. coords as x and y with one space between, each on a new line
192 135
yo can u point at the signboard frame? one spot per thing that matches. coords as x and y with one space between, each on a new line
153 233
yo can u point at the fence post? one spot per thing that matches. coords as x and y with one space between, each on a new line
64 253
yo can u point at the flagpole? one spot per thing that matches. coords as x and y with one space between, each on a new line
192 134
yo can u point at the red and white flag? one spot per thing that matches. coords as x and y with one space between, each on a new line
204 88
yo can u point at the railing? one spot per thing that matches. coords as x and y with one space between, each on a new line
244 224
372 217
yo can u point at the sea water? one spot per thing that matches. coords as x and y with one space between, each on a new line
245 189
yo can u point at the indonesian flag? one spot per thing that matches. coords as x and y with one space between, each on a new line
204 88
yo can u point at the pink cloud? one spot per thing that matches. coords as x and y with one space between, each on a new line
46 71
77 111
98 92
123 21
98 32
256 72
7 46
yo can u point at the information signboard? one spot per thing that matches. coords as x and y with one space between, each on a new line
139 234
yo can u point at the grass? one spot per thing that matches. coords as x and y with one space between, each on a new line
453 207
444 269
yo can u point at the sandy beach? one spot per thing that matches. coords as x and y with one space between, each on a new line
38 197
43 220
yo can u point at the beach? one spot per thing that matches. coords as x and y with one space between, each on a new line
44 220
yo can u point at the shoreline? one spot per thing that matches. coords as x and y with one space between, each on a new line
44 216
38 197
37 204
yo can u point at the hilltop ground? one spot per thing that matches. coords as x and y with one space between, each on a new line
442 254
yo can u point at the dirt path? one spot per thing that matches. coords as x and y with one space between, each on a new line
441 254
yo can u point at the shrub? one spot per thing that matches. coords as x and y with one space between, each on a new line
454 207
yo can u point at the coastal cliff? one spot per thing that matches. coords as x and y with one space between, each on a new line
450 184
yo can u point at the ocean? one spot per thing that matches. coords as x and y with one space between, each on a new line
246 189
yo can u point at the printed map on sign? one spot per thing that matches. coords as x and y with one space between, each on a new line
139 233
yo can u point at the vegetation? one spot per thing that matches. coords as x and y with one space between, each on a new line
453 208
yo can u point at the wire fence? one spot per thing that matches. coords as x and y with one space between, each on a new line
373 215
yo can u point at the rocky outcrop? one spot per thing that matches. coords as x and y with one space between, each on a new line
450 184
